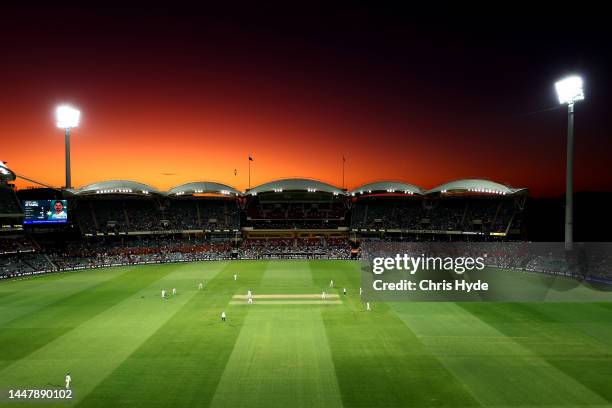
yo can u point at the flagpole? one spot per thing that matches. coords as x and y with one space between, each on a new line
343 161
249 172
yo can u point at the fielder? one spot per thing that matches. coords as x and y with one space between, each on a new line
174 291
250 301
163 293
331 283
344 291
223 316
235 277
200 286
323 295
68 380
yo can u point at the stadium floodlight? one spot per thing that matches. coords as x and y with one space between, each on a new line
569 90
67 117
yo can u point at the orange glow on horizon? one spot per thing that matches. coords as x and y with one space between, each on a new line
164 144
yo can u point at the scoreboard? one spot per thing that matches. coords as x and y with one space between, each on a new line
45 211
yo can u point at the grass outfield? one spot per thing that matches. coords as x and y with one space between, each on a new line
125 346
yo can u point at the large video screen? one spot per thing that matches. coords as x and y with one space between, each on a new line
45 211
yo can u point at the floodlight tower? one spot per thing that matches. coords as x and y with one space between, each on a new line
569 91
67 117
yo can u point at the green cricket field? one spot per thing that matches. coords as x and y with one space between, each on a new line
126 346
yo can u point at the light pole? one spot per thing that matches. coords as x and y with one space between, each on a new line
569 90
250 160
67 117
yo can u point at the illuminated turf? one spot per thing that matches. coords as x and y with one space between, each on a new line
125 346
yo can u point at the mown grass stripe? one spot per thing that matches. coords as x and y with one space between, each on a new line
491 370
41 292
41 326
572 339
182 362
280 359
378 360
130 310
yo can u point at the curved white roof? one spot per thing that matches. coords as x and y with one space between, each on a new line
475 186
117 187
387 187
295 184
203 187
6 174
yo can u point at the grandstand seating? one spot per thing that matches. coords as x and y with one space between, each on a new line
296 215
488 215
331 248
11 244
9 205
127 215
208 214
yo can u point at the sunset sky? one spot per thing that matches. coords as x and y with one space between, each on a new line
173 95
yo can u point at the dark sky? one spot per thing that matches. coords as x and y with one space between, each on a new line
414 96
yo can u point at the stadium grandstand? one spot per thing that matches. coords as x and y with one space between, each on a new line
124 222
128 207
292 204
471 207
11 215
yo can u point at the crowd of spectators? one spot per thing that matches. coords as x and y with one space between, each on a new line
297 215
98 253
19 254
24 264
102 252
451 214
296 211
592 261
279 248
207 214
11 265
23 256
150 214
295 224
12 244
